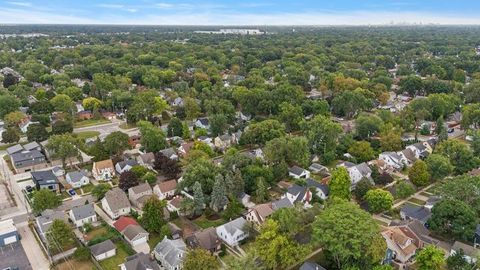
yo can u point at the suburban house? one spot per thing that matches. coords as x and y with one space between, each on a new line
281 203
125 166
103 170
46 180
25 124
222 142
81 215
165 189
234 231
103 250
25 161
318 169
15 149
401 244
311 266
134 140
202 123
413 212
115 203
244 198
170 253
139 194
44 221
420 149
393 160
169 153
185 148
408 155
77 179
32 146
357 172
206 239
298 173
146 160
259 213
58 171
470 253
131 231
298 194
139 261
8 233
174 205
255 153
321 190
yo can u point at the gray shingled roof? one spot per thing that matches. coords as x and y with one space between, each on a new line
26 155
76 176
117 199
171 250
282 203
312 183
123 164
419 213
47 217
83 211
15 149
102 247
44 177
31 146
234 225
311 266
364 169
169 152
132 231
296 170
140 261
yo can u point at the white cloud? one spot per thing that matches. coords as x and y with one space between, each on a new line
21 4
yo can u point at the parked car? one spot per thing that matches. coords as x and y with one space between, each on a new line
72 192
29 189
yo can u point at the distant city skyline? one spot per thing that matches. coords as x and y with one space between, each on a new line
228 12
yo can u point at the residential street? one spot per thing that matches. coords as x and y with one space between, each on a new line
105 129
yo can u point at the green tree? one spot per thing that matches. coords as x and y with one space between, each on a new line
60 235
73 92
152 218
322 134
175 127
91 103
13 119
146 104
438 166
461 157
475 144
10 135
99 190
368 125
62 103
340 184
290 115
362 151
192 109
458 262
418 173
198 199
8 104
82 254
292 150
430 258
44 199
275 250
362 187
288 219
64 147
261 192
403 189
379 200
262 132
150 178
200 259
218 124
454 218
349 235
201 170
116 143
219 195
390 138
62 127
471 116
153 138
37 132
127 180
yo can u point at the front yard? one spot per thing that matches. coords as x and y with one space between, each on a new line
90 122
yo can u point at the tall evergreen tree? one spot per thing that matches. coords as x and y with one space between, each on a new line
261 193
198 198
219 195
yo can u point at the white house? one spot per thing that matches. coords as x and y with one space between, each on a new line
165 189
131 231
103 250
146 160
357 172
125 166
170 253
321 190
103 170
234 231
77 179
298 194
202 123
419 149
297 172
259 213
393 160
174 204
83 214
115 203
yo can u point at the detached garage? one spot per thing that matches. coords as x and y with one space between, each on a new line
8 233
103 250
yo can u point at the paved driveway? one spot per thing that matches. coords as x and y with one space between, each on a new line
32 249
145 248
14 256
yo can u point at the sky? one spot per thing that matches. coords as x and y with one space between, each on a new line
240 12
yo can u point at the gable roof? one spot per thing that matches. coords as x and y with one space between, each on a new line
83 211
296 170
467 249
168 152
47 217
263 210
140 261
167 186
311 266
317 167
147 158
364 169
206 239
408 153
140 188
128 162
31 146
102 247
123 222
281 203
171 250
76 176
235 225
116 199
312 183
26 155
44 177
15 149
100 165
416 212
132 231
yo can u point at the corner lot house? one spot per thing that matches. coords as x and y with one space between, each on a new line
165 189
46 180
26 161
103 250
234 231
77 179
103 170
46 219
115 203
8 233
170 253
83 214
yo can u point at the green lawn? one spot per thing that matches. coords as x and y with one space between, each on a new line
127 126
417 201
88 188
112 263
154 239
5 146
87 134
204 223
90 122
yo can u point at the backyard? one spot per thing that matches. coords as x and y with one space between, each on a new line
112 263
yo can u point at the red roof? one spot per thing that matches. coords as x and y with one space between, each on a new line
123 222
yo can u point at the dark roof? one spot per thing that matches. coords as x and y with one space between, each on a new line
312 183
15 149
26 155
31 146
131 162
282 203
419 213
44 177
478 230
311 266
102 247
76 176
206 239
296 170
83 211
140 261
203 121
